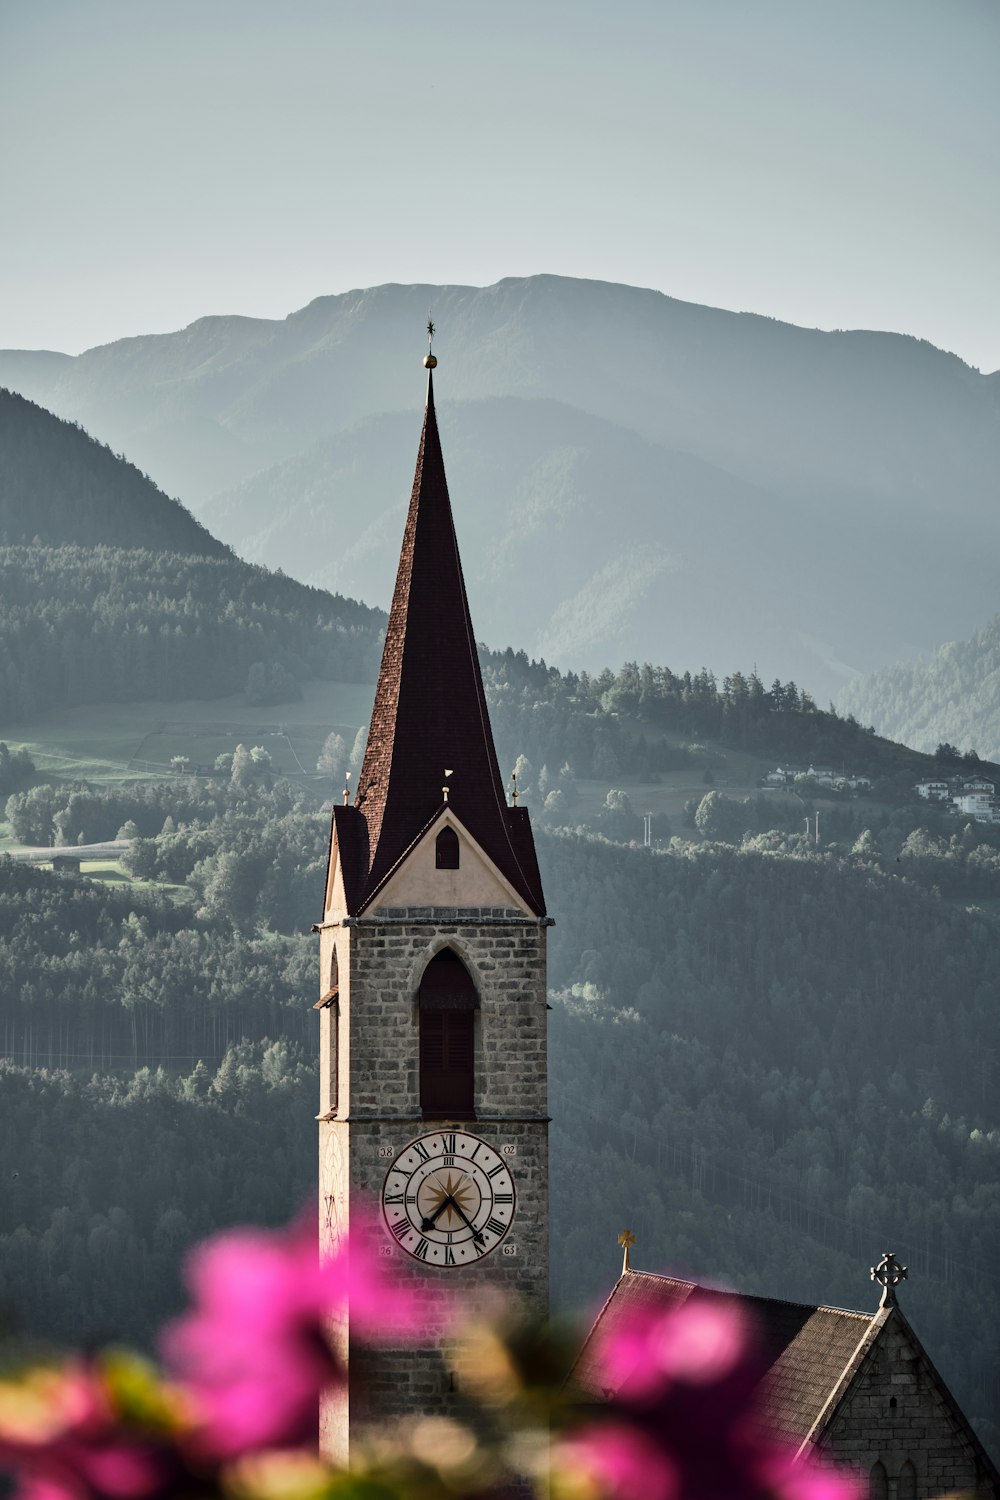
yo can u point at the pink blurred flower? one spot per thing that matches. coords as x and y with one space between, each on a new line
686 1384
622 1462
254 1350
698 1342
62 1434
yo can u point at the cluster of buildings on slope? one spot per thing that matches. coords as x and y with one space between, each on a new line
836 781
966 796
970 797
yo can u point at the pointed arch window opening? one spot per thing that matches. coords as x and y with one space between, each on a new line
329 1043
446 850
447 1005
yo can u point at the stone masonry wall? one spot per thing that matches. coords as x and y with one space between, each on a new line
897 1413
380 962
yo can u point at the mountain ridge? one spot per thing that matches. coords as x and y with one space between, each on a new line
873 441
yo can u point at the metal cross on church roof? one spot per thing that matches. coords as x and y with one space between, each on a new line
889 1273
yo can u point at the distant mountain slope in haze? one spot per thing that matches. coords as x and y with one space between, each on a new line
111 592
584 542
950 697
60 486
871 440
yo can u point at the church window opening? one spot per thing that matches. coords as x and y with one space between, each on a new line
446 849
906 1489
878 1483
329 1042
447 1005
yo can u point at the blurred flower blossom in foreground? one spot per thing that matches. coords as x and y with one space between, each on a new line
104 1427
254 1352
683 1424
254 1349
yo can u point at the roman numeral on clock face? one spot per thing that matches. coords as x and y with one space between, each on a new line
421 1251
400 1227
494 1226
448 1145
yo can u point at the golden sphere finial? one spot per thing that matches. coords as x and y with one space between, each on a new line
430 361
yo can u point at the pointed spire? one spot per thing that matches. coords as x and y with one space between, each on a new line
430 707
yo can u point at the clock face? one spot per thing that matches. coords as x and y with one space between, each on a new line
448 1199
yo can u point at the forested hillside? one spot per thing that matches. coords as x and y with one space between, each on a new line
109 1178
105 624
770 1061
951 697
111 592
60 486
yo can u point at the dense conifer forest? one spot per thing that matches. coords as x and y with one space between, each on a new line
766 1059
951 696
105 624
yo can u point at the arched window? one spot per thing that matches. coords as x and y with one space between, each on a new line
907 1486
447 1003
446 849
329 1042
878 1483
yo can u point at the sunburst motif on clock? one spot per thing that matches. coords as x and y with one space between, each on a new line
448 1199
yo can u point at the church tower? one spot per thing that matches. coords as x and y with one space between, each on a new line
433 1070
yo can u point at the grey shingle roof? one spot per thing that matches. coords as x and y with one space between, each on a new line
804 1349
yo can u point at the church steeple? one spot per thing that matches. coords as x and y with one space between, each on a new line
432 999
430 720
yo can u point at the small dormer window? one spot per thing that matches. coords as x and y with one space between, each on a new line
446 849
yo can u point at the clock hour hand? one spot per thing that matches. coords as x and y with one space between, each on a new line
449 1202
430 1220
476 1234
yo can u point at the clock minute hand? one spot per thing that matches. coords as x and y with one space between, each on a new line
476 1233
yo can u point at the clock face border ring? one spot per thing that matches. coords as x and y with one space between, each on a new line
449 1249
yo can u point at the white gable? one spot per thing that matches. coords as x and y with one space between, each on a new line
476 882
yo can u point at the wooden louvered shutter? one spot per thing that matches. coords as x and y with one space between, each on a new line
448 1003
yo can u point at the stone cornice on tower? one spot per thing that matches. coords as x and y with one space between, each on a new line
430 715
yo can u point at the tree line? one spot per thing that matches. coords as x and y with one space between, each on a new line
107 625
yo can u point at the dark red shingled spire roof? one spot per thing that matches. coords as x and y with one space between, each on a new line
430 709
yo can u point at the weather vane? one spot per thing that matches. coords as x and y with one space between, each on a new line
430 358
626 1239
515 793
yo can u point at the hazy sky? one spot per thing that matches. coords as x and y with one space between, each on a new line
835 163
